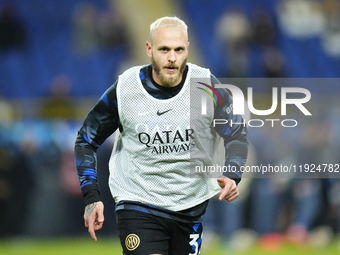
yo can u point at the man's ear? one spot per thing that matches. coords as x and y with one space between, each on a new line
148 49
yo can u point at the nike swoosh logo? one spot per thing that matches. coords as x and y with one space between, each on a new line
142 113
161 113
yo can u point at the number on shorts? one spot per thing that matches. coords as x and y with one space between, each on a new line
193 242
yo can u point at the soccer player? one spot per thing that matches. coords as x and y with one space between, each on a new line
160 203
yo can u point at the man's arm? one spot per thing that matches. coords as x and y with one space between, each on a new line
235 143
99 124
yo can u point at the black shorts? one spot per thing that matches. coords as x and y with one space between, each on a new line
143 234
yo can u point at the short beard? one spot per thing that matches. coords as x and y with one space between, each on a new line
167 82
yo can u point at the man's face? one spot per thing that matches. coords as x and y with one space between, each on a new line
168 51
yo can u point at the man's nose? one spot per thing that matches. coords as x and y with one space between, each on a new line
172 57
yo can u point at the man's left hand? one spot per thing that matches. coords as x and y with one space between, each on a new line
229 189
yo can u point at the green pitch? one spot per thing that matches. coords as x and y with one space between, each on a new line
82 246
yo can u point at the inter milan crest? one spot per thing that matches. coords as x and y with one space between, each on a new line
132 242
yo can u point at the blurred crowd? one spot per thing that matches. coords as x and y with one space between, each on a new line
257 43
93 29
39 188
238 33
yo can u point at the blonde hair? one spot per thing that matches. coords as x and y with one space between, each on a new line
171 22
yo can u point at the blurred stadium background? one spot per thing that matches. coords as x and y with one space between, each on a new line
58 56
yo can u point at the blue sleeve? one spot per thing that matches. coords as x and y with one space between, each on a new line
234 135
100 123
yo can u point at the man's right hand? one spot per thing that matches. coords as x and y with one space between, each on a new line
94 218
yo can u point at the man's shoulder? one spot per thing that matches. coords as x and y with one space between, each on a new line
191 65
133 69
197 71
